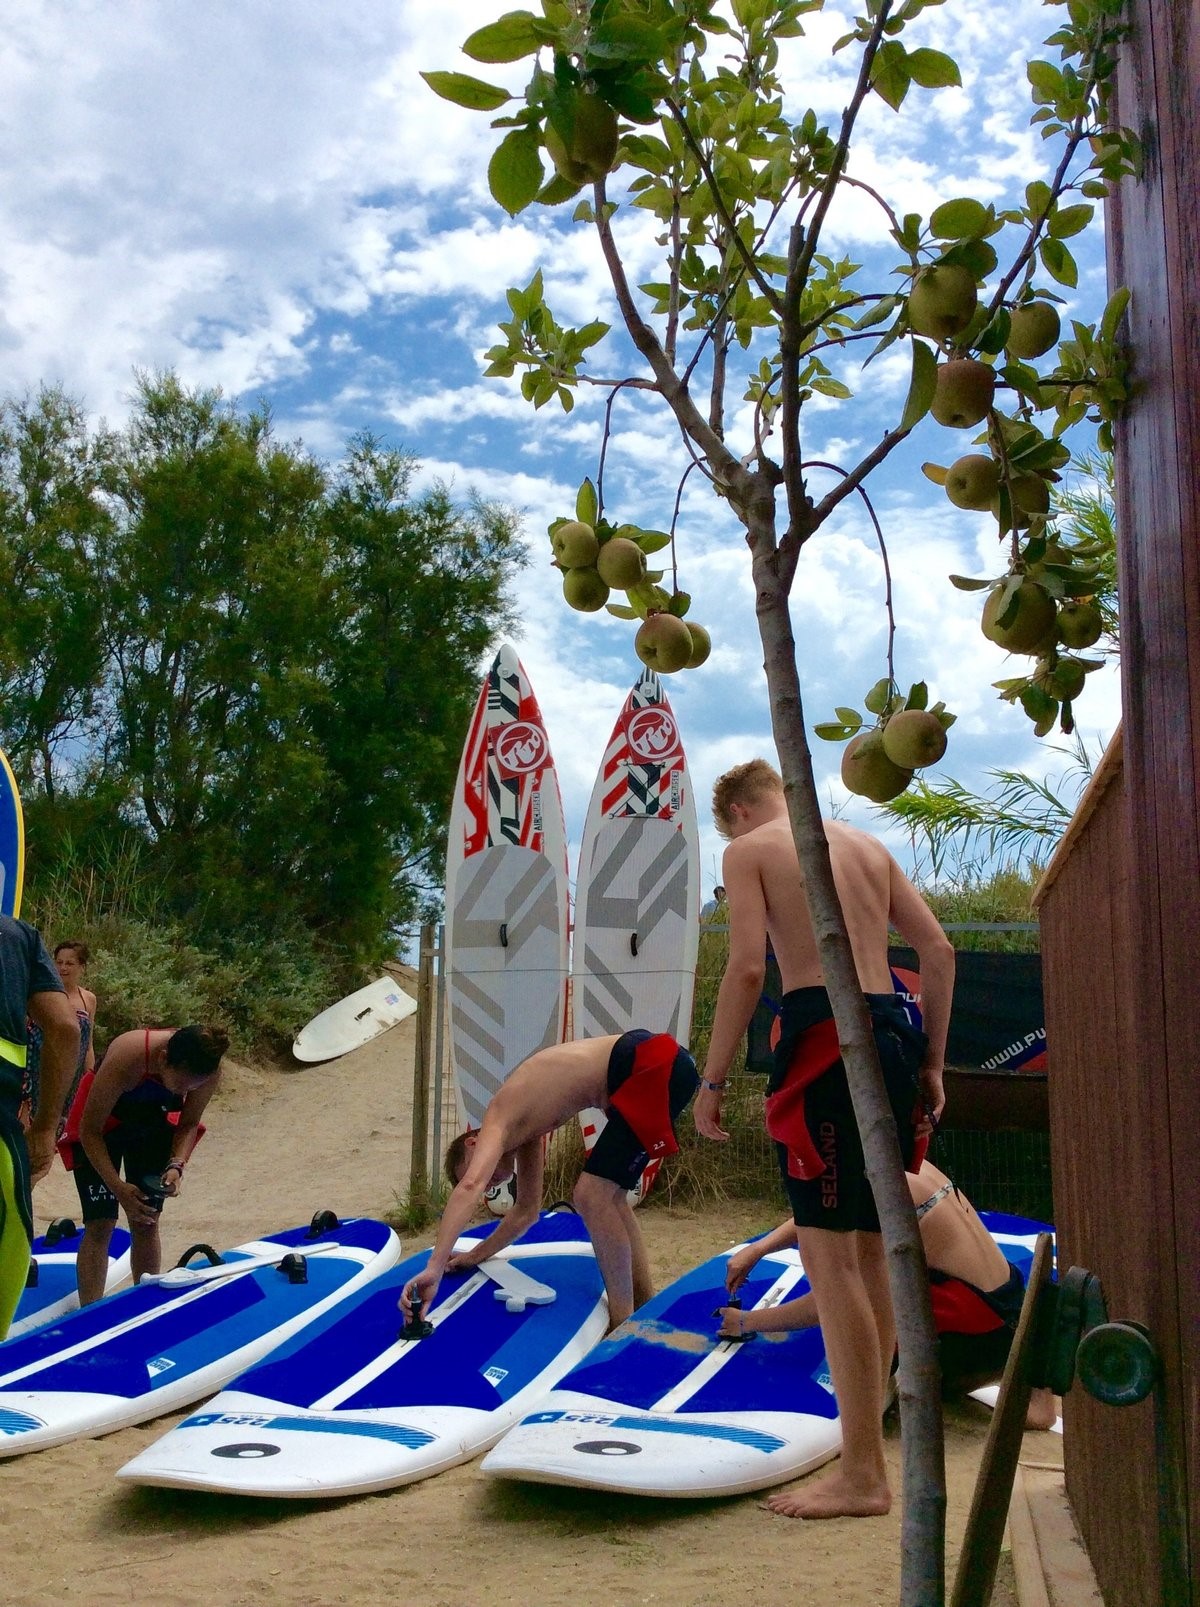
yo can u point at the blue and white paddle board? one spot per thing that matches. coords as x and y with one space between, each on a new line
52 1290
12 841
350 1406
662 1407
169 1341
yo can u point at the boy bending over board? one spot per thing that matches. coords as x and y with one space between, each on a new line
977 1294
642 1081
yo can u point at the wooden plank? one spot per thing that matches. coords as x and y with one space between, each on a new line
976 1573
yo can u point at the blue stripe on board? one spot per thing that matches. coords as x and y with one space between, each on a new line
752 1437
395 1433
665 1339
12 1422
173 1341
450 1369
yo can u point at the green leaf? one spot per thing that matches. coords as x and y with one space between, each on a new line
556 191
1045 80
934 472
1059 263
974 254
622 611
922 385
877 698
965 583
963 219
650 541
933 70
463 90
587 505
1113 313
829 732
992 339
1069 220
515 170
890 77
1038 196
850 718
918 696
679 604
515 34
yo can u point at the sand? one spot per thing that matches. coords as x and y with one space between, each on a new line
284 1142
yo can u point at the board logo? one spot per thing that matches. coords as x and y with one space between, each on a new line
522 747
653 735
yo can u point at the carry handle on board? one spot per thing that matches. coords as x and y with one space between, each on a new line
517 1289
184 1277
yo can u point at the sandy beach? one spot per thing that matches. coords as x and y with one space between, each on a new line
283 1142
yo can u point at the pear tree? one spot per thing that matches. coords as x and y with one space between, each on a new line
676 108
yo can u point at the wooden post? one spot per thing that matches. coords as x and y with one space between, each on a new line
418 1172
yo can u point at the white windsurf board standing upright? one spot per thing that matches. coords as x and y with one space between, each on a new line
506 892
637 899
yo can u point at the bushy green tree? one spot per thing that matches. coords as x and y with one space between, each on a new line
281 660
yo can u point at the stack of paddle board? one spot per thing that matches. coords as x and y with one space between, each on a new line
637 901
663 1408
350 1405
171 1340
51 1290
354 1021
506 893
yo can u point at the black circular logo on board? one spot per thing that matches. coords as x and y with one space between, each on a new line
247 1450
608 1448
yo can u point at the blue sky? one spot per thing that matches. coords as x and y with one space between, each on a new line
267 198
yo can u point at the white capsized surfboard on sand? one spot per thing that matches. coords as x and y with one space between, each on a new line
354 1021
162 1344
351 1406
637 897
506 892
51 1289
662 1407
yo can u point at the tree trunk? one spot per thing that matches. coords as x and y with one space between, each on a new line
922 1569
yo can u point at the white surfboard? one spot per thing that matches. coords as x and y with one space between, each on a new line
157 1346
51 1290
662 1407
354 1020
506 891
351 1405
637 898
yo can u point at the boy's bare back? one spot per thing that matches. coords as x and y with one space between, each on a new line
548 1089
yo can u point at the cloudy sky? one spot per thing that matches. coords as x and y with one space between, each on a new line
267 198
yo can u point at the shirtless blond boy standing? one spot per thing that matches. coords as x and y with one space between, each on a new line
642 1081
810 1114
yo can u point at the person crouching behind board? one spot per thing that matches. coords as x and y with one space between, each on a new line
120 1120
642 1081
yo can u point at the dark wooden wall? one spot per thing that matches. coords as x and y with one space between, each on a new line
1125 1118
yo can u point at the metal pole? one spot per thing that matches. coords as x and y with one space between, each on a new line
418 1174
439 1020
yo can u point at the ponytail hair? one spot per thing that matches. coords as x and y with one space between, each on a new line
197 1050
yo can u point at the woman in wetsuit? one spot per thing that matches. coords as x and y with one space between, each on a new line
139 1116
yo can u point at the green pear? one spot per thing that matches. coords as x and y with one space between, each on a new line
621 563
588 153
1033 330
664 643
1062 679
584 590
701 645
965 388
1080 622
914 738
575 545
972 481
942 301
867 770
1033 621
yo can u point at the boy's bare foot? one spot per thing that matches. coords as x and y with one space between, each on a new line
834 1497
1043 1410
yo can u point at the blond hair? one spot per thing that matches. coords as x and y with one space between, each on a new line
747 784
